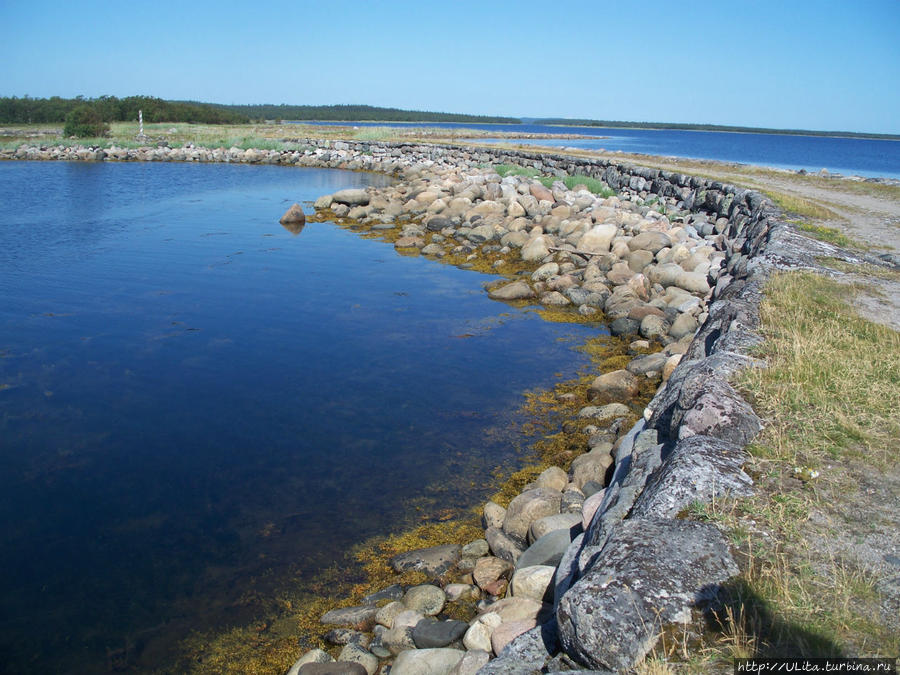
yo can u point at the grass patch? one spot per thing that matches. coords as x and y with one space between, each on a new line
863 269
829 397
833 382
504 170
824 233
598 187
800 206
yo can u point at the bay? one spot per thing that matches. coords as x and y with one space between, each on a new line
198 406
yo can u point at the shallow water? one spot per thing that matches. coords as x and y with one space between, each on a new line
197 405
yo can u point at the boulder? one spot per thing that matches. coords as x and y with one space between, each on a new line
692 282
360 617
351 197
517 290
590 468
425 598
602 415
502 545
548 524
478 637
539 192
527 507
492 515
554 299
293 216
426 661
433 561
684 324
547 550
553 478
508 631
471 663
535 582
530 652
648 574
429 633
618 385
545 271
521 609
653 326
536 248
410 242
652 241
699 469
353 653
598 238
461 592
312 656
647 363
490 569
386 615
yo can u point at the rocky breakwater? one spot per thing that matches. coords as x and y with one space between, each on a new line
591 562
506 602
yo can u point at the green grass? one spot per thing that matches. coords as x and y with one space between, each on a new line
824 233
598 187
800 206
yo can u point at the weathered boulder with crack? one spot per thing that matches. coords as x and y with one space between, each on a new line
650 573
698 400
699 469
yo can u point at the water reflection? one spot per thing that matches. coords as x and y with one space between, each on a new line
293 227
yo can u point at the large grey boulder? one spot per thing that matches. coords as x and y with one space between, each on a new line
649 574
699 469
527 507
361 617
548 550
434 560
351 197
430 634
697 400
502 545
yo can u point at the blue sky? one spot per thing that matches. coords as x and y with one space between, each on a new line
783 64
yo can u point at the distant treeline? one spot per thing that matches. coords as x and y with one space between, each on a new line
358 113
27 110
706 127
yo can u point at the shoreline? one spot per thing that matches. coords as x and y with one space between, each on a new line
639 182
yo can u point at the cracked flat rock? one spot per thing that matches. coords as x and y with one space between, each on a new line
699 469
650 573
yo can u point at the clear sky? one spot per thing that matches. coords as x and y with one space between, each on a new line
810 64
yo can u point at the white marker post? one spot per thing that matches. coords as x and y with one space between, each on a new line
141 122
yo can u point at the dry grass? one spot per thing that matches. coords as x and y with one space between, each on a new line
829 397
833 382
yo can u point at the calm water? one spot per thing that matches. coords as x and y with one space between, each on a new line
851 156
197 405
